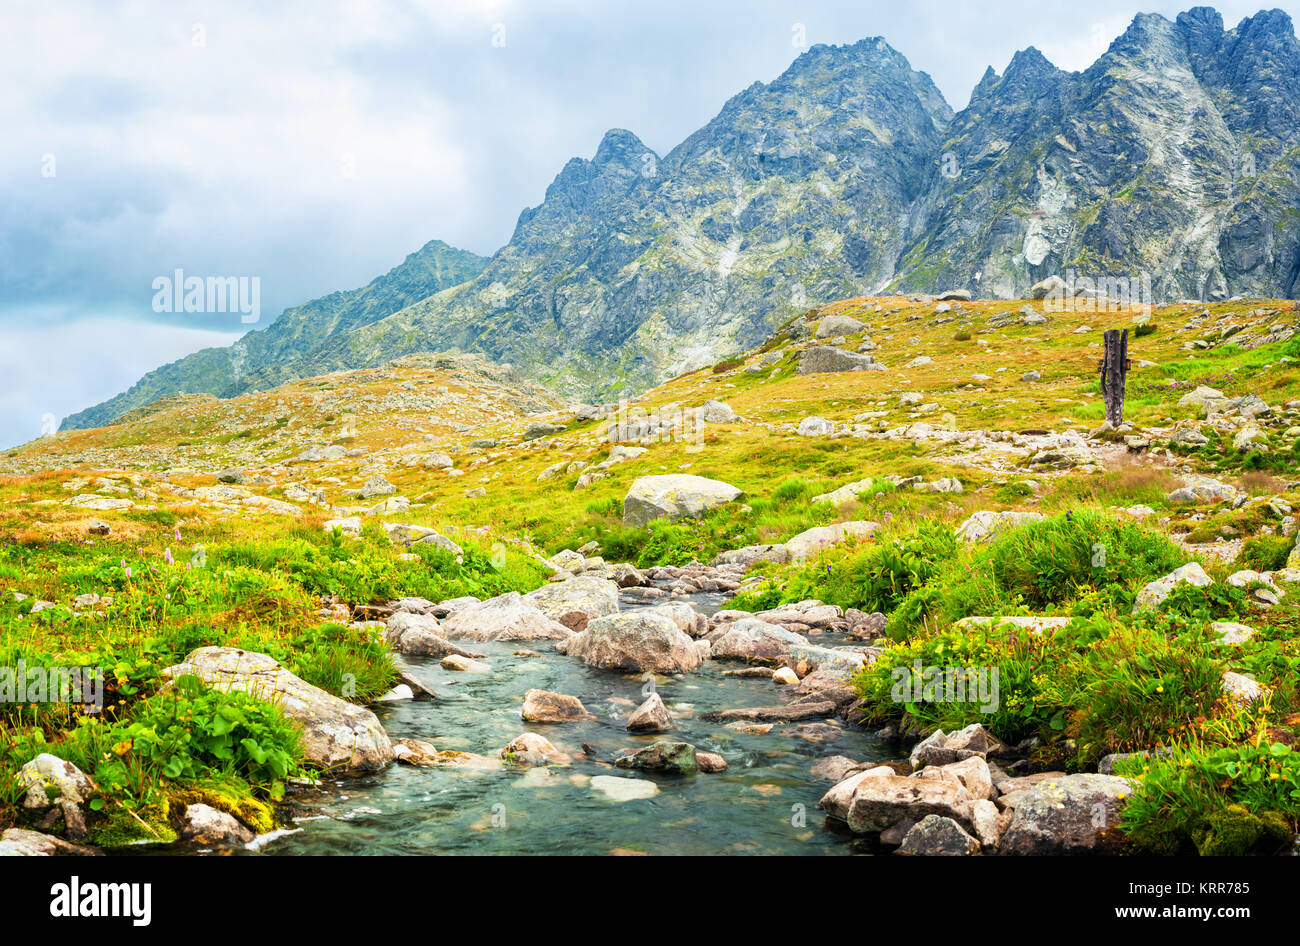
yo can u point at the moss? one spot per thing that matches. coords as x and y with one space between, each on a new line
1235 831
118 827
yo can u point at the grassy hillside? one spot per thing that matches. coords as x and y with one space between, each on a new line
136 513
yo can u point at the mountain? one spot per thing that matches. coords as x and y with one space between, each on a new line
1173 157
288 348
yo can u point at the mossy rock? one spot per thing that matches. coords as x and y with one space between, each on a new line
1236 831
259 816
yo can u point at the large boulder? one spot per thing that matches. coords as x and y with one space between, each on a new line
986 525
593 595
1155 593
1073 814
335 734
1203 491
674 496
507 617
716 412
882 801
812 541
752 639
407 534
834 325
824 359
1051 286
634 642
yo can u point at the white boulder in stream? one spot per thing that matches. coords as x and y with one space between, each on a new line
507 617
592 595
752 639
674 496
335 734
635 642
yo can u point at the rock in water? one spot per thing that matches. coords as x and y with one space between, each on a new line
532 749
617 788
674 496
507 617
335 734
637 642
19 842
650 716
674 758
543 706
752 639
590 594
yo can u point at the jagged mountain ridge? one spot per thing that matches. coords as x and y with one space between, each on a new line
1174 156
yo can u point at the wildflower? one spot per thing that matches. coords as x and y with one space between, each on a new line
122 748
177 533
167 556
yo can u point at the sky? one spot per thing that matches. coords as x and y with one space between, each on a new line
311 145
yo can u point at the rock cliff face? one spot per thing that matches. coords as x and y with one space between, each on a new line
1171 161
637 267
1173 157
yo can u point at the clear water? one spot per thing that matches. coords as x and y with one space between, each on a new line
764 803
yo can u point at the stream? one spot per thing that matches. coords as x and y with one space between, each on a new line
764 803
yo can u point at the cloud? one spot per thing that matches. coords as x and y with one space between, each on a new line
51 367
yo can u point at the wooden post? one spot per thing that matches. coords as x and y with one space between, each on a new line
1114 367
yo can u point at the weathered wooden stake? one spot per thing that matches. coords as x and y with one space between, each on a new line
1114 367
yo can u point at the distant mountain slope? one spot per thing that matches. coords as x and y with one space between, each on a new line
286 349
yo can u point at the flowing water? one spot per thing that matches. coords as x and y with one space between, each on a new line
764 803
